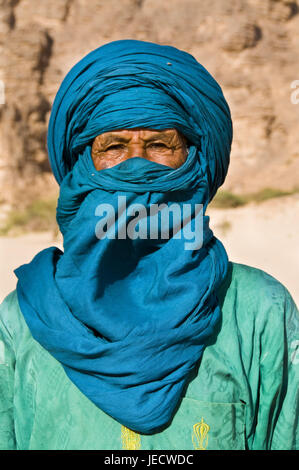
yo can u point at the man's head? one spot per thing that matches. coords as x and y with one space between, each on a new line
167 147
126 85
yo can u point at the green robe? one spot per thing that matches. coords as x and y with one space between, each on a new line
244 394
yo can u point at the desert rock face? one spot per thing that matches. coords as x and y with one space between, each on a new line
251 47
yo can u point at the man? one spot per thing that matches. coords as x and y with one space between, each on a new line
141 334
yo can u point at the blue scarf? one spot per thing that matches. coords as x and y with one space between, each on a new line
128 317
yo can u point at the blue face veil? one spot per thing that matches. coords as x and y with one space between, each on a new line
128 314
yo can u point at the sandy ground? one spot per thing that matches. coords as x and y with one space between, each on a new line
264 236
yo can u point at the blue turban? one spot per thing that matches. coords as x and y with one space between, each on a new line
129 317
127 84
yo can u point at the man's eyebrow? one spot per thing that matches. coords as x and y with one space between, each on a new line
107 139
163 136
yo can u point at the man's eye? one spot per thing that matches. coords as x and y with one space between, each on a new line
115 147
158 145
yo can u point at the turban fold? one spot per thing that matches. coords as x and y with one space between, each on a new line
129 317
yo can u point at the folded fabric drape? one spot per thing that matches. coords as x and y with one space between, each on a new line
128 317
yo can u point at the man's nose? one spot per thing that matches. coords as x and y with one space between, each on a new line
136 150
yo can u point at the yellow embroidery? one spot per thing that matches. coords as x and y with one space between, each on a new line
200 435
130 439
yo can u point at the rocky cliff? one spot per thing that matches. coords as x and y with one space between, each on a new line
251 47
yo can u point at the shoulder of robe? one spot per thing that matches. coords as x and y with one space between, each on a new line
249 296
252 296
12 322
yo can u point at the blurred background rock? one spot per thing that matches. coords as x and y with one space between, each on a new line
251 47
